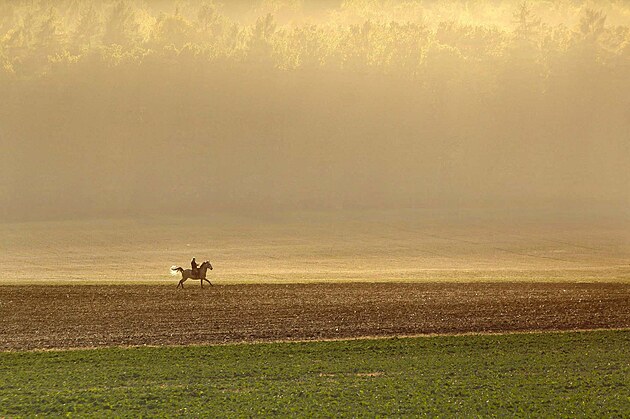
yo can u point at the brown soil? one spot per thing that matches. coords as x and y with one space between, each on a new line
40 317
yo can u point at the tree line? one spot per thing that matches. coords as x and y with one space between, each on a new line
130 106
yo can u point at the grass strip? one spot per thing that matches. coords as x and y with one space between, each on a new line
547 374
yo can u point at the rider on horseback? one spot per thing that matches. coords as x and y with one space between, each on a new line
197 272
195 268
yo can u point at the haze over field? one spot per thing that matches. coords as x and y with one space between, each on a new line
371 172
129 108
322 247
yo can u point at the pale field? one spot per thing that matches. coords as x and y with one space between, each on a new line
320 246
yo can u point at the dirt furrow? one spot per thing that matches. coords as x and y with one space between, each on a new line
41 317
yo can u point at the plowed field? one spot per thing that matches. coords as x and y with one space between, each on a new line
39 317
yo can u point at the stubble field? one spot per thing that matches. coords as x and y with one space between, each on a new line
322 275
340 246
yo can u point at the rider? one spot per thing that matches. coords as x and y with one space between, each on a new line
195 268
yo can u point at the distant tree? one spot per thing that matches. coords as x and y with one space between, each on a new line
260 46
88 28
172 29
18 39
527 24
121 27
209 20
301 47
49 35
591 24
587 55
7 19
355 46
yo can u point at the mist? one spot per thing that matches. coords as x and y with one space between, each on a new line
134 108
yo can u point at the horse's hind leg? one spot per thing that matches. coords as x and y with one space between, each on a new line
181 283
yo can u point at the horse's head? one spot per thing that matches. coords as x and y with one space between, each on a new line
207 264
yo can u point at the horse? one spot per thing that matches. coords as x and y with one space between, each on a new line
187 273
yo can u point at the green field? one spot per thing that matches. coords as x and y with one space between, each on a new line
556 374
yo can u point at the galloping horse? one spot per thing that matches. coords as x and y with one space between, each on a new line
187 273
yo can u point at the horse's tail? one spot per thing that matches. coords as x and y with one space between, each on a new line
175 269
